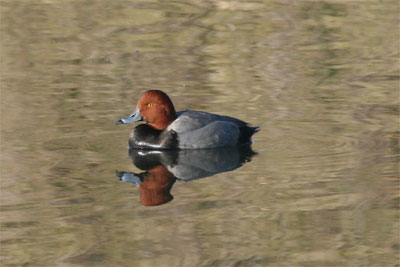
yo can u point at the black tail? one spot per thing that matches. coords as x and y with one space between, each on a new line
245 134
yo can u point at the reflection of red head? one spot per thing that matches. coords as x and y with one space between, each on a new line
156 186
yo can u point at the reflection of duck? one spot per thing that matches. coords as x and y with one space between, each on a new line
163 168
167 129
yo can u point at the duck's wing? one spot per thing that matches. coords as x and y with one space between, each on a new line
213 135
190 120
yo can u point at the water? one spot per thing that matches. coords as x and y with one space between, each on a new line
320 78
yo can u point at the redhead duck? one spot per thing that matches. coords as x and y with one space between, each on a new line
167 129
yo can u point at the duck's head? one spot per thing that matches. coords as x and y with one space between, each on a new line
155 107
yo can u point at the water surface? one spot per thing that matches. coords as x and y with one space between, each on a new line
320 78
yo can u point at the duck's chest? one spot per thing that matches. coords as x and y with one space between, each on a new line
145 137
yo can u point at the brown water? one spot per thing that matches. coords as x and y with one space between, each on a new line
320 78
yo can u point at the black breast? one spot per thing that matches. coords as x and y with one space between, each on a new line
145 137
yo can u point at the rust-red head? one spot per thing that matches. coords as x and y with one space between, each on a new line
155 107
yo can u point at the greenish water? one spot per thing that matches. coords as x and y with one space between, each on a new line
321 79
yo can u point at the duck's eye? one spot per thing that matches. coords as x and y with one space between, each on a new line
149 105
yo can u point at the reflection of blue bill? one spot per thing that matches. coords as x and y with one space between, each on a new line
129 177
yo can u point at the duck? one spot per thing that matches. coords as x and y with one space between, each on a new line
166 129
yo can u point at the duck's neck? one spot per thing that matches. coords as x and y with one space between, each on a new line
163 119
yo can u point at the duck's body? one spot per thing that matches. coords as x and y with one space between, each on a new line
193 130
167 129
